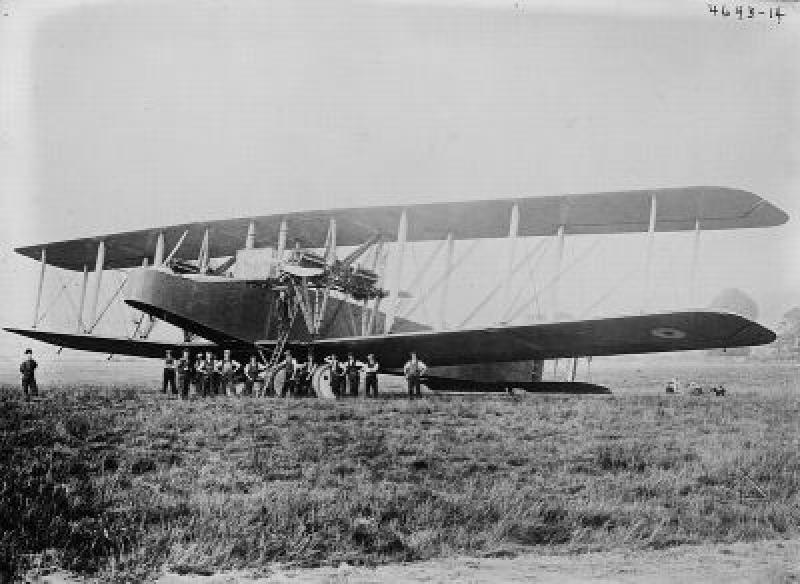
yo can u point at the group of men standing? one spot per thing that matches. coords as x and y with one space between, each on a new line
346 376
214 376
209 374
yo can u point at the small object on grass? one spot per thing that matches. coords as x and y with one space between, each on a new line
187 569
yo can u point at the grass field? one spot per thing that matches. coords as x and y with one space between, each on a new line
118 482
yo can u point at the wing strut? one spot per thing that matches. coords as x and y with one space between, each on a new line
39 288
444 277
559 258
108 305
695 257
176 248
591 249
280 250
448 269
376 303
497 287
513 229
250 240
366 321
84 283
648 265
402 235
158 257
98 279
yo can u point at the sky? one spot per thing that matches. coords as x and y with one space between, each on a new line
125 115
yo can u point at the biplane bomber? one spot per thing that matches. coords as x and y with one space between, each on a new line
260 285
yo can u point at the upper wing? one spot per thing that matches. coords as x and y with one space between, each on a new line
614 212
677 331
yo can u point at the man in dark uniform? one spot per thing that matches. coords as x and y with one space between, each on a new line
290 381
28 371
197 374
185 374
304 378
352 369
208 375
216 375
371 376
251 371
169 374
229 369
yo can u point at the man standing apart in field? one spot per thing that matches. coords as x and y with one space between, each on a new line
169 373
371 376
28 371
413 370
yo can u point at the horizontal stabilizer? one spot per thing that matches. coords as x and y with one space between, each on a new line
469 386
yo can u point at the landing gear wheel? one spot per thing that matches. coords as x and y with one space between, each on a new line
321 382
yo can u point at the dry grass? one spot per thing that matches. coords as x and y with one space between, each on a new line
120 482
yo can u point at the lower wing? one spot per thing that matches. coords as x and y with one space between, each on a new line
650 333
111 345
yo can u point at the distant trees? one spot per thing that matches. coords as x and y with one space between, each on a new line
736 301
788 342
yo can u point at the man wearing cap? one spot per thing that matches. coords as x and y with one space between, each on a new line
371 376
337 376
290 381
184 373
169 374
207 375
352 370
216 375
197 374
229 369
28 371
251 379
304 378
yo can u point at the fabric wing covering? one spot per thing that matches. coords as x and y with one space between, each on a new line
678 209
675 331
